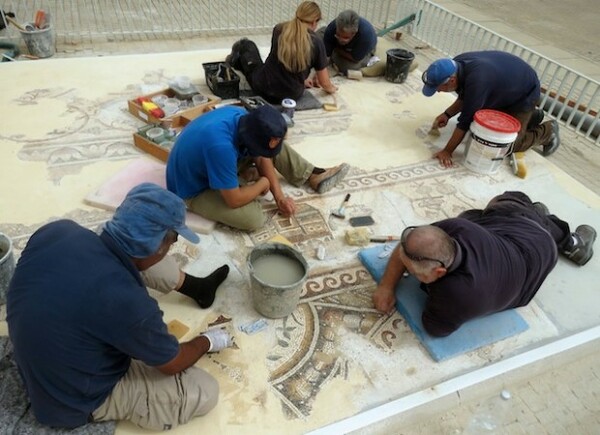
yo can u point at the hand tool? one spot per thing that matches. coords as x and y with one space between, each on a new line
341 211
384 239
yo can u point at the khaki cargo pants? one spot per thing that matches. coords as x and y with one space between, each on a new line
153 400
211 205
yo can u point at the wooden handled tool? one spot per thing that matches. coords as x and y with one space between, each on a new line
384 239
14 23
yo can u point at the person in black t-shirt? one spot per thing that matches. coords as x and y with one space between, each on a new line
295 50
482 262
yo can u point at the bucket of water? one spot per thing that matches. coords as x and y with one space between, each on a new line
7 265
398 65
277 273
39 42
492 134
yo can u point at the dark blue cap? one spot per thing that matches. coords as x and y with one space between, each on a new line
141 222
258 128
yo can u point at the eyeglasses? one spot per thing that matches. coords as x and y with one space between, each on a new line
432 83
404 237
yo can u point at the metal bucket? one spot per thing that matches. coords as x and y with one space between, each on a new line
39 42
7 265
276 296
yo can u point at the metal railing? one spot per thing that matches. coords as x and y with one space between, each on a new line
566 94
140 20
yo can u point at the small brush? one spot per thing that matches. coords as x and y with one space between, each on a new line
341 211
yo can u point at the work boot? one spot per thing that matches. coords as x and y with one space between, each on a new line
233 59
541 208
554 142
327 180
582 249
536 119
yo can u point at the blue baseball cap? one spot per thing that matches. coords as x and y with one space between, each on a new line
141 222
437 74
259 127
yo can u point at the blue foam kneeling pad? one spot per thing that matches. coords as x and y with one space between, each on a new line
410 303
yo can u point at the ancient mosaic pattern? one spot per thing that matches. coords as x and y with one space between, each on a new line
307 355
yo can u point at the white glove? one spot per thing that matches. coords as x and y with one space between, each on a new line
218 338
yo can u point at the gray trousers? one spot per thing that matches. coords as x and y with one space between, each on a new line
211 205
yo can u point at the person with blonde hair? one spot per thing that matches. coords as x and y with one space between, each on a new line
295 50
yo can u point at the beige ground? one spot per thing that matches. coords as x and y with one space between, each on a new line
562 401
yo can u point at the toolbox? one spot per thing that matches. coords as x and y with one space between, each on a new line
193 111
171 128
222 79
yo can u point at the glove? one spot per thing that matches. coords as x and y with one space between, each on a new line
218 338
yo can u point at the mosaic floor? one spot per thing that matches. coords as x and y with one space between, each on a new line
335 355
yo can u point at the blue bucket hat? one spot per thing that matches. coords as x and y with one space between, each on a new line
257 128
141 222
437 74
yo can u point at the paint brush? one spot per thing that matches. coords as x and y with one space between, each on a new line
341 211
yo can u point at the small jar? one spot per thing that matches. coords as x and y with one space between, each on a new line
289 106
167 144
171 108
199 99
160 99
156 134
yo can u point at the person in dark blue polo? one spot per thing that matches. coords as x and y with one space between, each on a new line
350 41
89 341
490 80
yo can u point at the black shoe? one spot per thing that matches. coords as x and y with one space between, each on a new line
583 249
233 59
552 145
541 208
536 119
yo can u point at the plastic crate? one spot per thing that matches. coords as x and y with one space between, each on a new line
225 88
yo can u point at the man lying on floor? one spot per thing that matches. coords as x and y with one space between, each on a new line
482 262
89 341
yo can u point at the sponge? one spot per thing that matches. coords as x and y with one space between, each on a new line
517 162
358 236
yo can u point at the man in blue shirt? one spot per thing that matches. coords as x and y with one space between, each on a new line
490 80
350 41
225 160
482 262
89 341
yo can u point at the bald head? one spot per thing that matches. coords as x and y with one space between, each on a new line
432 243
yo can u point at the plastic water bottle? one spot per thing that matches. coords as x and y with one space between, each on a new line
490 415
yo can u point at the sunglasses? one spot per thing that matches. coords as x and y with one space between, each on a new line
410 256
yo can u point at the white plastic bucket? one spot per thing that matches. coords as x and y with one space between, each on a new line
492 134
276 294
